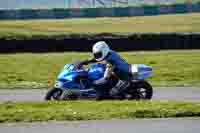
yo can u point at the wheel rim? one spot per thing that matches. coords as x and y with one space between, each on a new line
142 93
56 95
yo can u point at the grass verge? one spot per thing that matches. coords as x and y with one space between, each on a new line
29 28
90 110
170 68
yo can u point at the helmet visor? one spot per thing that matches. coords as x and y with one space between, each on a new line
98 55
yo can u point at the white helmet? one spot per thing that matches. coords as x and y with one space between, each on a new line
100 50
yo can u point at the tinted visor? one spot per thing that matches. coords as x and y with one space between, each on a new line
98 55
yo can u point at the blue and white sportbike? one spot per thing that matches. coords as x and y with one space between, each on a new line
75 82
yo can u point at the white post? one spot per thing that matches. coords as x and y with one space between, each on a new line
93 3
69 3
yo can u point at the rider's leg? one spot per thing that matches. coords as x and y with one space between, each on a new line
119 87
122 84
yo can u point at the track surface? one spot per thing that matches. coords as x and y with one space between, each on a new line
173 93
189 125
181 125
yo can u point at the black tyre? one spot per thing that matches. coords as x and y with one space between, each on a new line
53 94
141 90
102 93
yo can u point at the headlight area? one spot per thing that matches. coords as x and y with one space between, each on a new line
58 84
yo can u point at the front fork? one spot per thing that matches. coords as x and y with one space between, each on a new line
66 91
59 84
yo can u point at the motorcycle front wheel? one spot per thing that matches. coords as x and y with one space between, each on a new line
53 94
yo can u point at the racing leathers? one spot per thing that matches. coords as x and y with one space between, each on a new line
119 66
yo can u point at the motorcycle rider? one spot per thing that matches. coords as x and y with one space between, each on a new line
102 52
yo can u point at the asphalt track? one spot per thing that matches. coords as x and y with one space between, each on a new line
164 93
169 125
181 125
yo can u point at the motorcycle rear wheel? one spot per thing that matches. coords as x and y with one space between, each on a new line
141 90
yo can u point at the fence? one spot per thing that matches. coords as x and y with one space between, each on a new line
98 12
49 4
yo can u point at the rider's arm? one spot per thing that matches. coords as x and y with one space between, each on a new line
104 79
80 64
88 61
108 71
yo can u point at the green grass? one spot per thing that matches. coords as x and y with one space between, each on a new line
171 68
29 28
91 110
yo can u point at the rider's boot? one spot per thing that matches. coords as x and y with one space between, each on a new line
119 87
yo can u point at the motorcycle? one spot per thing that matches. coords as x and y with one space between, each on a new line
74 82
